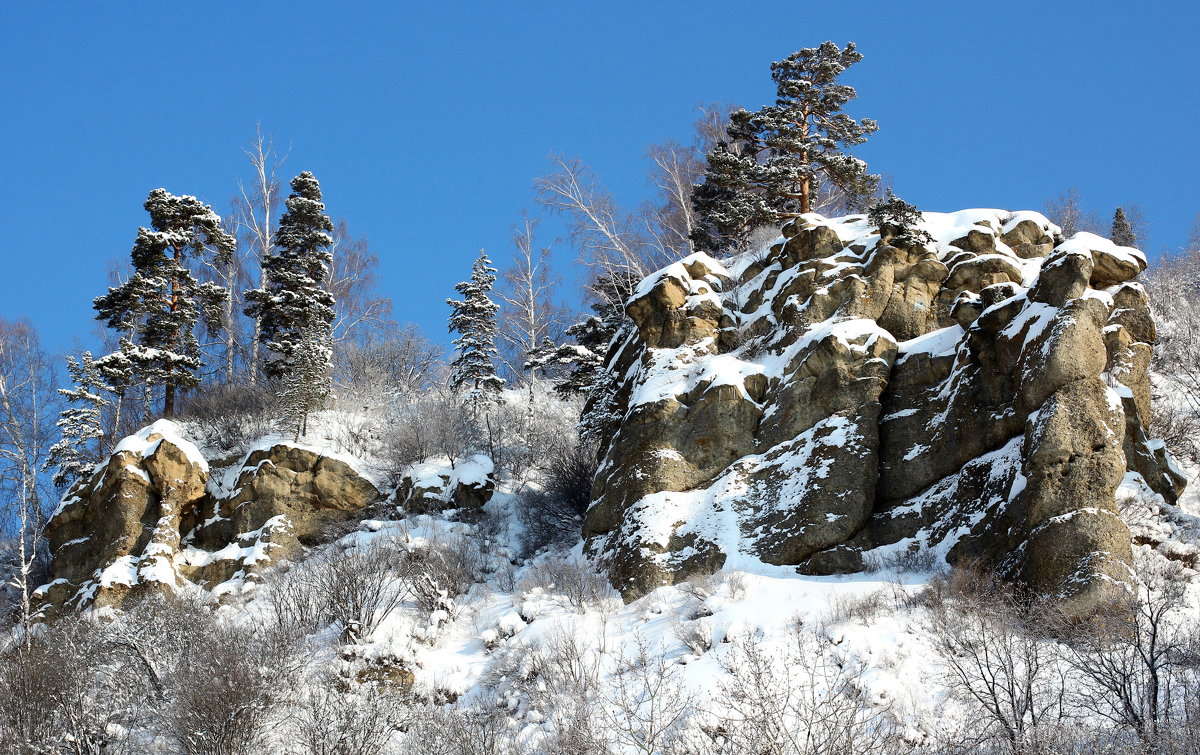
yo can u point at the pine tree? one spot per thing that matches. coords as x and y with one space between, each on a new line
307 381
161 303
898 222
772 161
79 448
1122 231
474 319
294 297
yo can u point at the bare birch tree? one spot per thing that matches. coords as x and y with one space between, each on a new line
528 316
609 239
255 213
28 408
1066 211
353 284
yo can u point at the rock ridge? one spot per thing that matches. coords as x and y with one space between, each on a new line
847 395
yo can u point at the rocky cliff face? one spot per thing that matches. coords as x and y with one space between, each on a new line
848 395
155 517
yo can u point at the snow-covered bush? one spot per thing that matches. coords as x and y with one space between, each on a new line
570 580
805 702
336 716
230 418
355 588
444 568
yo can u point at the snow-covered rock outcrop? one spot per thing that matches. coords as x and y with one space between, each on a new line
154 517
848 394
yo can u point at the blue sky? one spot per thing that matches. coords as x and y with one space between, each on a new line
427 125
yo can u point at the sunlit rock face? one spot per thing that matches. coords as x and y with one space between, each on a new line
844 397
154 517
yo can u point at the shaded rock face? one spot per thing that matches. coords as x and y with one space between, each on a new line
153 518
840 398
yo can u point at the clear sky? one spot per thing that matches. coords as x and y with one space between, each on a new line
426 122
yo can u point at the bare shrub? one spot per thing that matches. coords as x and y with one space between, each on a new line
357 588
433 424
997 660
647 702
336 717
557 679
696 634
212 687
443 569
55 696
918 560
376 372
359 435
575 582
224 699
1136 664
554 515
863 607
231 417
438 730
808 701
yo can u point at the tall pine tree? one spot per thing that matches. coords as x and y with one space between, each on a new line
159 306
294 297
1122 230
79 449
772 162
474 319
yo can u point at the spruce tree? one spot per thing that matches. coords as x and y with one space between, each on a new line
307 381
1122 231
474 319
159 306
79 448
294 297
771 164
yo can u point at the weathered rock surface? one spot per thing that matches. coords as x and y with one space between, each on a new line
842 398
155 517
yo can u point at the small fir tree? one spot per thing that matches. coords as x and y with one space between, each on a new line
294 297
898 222
474 319
307 382
79 449
1122 231
772 161
158 308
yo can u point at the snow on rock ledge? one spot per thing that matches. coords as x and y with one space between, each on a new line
840 397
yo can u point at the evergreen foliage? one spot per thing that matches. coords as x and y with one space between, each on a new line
474 319
158 308
770 165
294 297
307 381
898 222
1122 230
582 360
79 448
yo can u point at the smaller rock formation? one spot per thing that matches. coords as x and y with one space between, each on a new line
154 517
467 485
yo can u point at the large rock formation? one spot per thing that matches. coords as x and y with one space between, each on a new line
846 394
154 517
